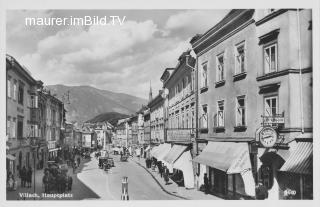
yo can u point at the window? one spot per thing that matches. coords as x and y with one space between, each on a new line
204 117
9 88
9 127
271 106
240 59
15 91
204 76
220 114
20 94
270 58
13 128
34 101
220 68
20 128
241 111
34 132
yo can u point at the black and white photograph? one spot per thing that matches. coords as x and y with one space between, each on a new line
159 104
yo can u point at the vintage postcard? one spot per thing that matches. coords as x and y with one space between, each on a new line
148 104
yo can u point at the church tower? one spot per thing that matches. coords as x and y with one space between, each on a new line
150 93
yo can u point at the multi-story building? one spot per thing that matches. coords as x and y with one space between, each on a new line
140 113
255 103
68 135
179 108
157 119
146 126
122 133
53 122
89 138
23 136
133 123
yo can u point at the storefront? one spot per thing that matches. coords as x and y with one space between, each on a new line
296 173
229 169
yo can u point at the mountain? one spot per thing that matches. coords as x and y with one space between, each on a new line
111 117
86 102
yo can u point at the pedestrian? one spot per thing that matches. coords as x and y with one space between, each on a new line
45 181
29 177
11 181
23 175
70 180
206 183
161 167
78 160
166 175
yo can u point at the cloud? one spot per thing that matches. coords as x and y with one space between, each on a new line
117 58
191 22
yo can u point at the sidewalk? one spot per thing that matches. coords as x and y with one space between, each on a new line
173 188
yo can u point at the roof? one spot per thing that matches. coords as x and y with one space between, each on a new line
22 70
233 20
300 161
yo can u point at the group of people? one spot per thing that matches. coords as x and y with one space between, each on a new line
26 177
163 171
56 181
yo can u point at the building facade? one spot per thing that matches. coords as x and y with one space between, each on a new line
157 119
249 76
179 116
23 136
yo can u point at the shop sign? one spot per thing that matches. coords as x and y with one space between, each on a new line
268 137
180 135
272 120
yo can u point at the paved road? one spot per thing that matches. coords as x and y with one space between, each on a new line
107 185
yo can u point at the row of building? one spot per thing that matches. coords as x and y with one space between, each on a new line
239 110
35 120
37 130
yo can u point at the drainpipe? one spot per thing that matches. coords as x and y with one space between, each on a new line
300 72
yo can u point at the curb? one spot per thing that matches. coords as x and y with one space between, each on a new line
178 196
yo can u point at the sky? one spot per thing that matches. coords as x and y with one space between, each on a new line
121 58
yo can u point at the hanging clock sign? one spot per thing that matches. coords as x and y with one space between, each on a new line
268 137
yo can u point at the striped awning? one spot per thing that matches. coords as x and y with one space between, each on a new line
230 157
300 160
174 153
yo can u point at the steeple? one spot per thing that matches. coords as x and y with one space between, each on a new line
150 93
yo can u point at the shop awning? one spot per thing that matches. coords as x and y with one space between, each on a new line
161 153
174 153
184 163
300 160
155 149
230 157
11 157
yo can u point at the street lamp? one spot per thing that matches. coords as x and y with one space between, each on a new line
34 146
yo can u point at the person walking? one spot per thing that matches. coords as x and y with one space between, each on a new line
161 168
29 177
78 160
70 180
166 175
45 181
206 183
23 175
